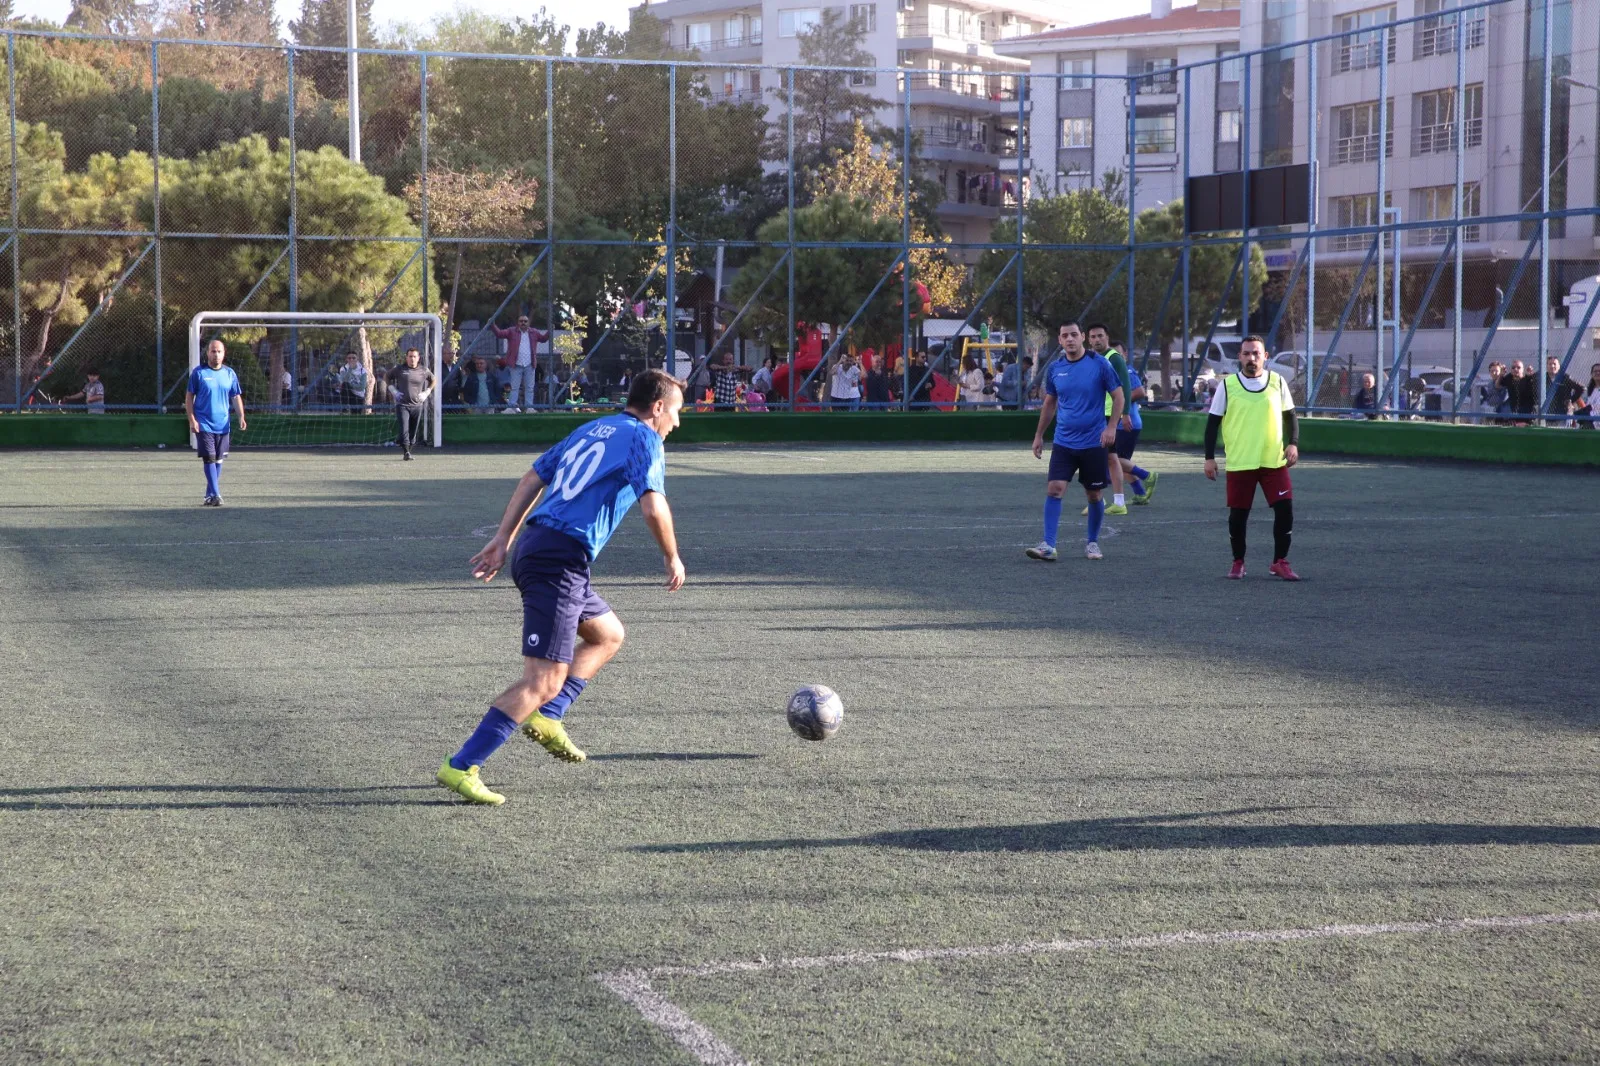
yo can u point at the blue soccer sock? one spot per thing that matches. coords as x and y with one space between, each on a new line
1052 519
557 707
1097 511
213 478
1137 485
495 729
1140 473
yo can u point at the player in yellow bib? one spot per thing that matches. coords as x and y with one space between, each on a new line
1255 416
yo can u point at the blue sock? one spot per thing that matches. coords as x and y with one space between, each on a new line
557 707
493 731
1097 511
1052 519
1140 473
213 478
1137 484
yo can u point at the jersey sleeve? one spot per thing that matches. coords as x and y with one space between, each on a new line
1135 380
1285 395
1050 381
194 381
233 385
1112 380
647 464
545 466
1219 401
1120 366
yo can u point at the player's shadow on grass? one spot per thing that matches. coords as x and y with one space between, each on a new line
1148 834
42 798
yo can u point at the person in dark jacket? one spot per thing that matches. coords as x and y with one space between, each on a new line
480 388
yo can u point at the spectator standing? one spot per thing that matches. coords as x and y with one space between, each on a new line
1561 393
1492 395
844 383
1591 399
92 395
725 383
286 388
971 382
921 382
1522 392
410 385
762 380
520 359
480 389
1006 389
353 384
1367 396
876 386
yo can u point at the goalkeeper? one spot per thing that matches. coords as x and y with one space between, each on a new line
411 386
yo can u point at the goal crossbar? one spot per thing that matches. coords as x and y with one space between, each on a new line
266 319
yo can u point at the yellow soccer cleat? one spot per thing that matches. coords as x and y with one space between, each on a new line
551 735
467 784
1116 508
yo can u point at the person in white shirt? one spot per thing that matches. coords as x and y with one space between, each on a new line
762 381
971 382
522 356
844 384
1590 407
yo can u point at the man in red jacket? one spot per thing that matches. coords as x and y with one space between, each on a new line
519 360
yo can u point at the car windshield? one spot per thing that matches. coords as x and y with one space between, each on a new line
1230 350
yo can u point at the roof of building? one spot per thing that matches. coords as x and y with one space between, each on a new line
1181 20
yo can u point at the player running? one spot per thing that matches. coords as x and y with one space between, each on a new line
568 631
212 388
1261 434
1099 336
1076 387
1142 481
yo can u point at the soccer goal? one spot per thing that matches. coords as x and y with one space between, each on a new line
321 377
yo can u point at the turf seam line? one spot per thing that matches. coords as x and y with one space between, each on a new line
634 986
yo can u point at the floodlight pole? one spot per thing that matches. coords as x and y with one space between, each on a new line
355 81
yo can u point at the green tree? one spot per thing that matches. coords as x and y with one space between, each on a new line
830 283
1057 284
323 23
827 109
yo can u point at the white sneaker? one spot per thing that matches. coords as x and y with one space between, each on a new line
1043 552
511 411
1091 550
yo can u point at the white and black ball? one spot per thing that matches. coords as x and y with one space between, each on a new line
815 712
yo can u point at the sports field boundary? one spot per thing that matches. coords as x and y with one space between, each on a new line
1318 436
635 986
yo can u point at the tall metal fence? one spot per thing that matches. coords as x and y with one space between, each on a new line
652 212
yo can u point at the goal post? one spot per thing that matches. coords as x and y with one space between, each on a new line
431 324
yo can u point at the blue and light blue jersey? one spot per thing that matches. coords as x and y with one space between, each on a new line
1080 388
1136 383
595 475
213 391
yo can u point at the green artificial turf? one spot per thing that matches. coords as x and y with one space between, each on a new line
221 845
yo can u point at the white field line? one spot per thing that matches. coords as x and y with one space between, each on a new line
634 986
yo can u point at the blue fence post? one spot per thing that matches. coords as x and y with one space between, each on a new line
1546 72
671 266
905 228
155 207
789 123
422 138
294 225
550 202
16 238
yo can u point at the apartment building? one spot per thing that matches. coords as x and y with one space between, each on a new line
1491 107
964 91
1082 103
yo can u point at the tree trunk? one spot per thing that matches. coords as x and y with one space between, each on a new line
41 339
274 371
366 361
450 308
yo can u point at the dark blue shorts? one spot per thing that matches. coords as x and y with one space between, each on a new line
1090 464
551 570
213 447
1127 441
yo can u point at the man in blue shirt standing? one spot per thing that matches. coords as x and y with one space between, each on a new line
213 389
578 492
1076 387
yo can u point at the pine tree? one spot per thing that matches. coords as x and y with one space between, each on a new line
826 108
322 23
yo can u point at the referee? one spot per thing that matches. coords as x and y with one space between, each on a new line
411 384
1255 414
212 388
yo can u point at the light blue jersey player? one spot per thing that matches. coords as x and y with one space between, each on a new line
588 481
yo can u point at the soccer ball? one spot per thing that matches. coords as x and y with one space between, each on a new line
815 712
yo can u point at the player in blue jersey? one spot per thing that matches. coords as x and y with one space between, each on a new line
1142 481
1076 386
578 492
213 388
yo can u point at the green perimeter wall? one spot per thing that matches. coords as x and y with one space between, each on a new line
1318 436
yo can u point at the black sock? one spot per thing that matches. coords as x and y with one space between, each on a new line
1237 518
1282 528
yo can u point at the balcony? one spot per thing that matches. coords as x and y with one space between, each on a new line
1160 83
1362 51
966 91
1441 236
1362 148
1437 37
1441 137
960 146
737 97
730 49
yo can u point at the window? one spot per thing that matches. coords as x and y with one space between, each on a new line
798 20
1435 120
1155 131
1350 212
1437 36
1439 202
697 35
905 58
1355 132
732 31
1159 76
1228 127
1077 133
864 78
1358 51
864 17
1081 73
755 29
1232 67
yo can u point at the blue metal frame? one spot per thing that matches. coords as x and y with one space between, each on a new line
1499 317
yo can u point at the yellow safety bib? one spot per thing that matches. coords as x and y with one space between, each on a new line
1252 426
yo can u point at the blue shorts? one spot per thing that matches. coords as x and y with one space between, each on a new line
213 447
552 572
1090 464
1127 441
